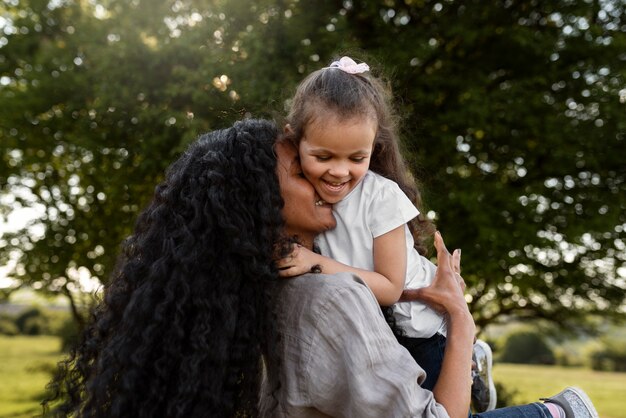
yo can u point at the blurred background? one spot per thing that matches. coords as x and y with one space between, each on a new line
513 119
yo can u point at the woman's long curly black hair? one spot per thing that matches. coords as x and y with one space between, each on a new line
187 315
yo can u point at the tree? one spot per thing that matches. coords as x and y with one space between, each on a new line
96 101
512 119
525 346
97 98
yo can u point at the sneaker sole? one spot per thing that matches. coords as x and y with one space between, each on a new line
586 400
493 396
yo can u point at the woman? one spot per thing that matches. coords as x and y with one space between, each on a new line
184 321
196 304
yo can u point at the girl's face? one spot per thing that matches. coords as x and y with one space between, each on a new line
335 154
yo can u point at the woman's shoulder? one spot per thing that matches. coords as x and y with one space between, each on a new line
318 310
320 285
312 294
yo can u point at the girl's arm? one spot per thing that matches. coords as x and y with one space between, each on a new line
386 282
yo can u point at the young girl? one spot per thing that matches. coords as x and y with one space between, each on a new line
342 124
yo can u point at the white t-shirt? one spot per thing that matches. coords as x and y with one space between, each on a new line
374 207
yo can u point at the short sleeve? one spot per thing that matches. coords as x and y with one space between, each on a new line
358 369
389 208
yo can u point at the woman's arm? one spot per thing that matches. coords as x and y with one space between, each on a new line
386 282
445 294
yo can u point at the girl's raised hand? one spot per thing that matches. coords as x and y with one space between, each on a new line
301 260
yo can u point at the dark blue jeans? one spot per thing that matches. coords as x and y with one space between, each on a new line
428 353
532 410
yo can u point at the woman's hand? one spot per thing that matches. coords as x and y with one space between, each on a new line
446 291
301 260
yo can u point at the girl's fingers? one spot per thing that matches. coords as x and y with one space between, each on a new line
289 271
283 262
284 272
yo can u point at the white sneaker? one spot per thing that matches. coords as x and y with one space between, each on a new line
484 396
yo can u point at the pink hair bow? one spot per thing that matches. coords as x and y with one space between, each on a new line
349 66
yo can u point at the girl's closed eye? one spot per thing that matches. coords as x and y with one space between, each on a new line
322 157
358 159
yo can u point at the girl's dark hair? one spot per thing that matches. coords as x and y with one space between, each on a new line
331 92
184 322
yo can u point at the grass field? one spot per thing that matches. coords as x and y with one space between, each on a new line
529 383
25 363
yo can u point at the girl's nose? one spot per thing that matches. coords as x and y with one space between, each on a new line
339 170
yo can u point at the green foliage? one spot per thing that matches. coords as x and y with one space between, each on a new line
37 321
32 322
610 355
36 325
68 333
513 120
7 326
525 346
505 395
566 357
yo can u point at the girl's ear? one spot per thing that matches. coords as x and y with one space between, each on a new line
288 130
